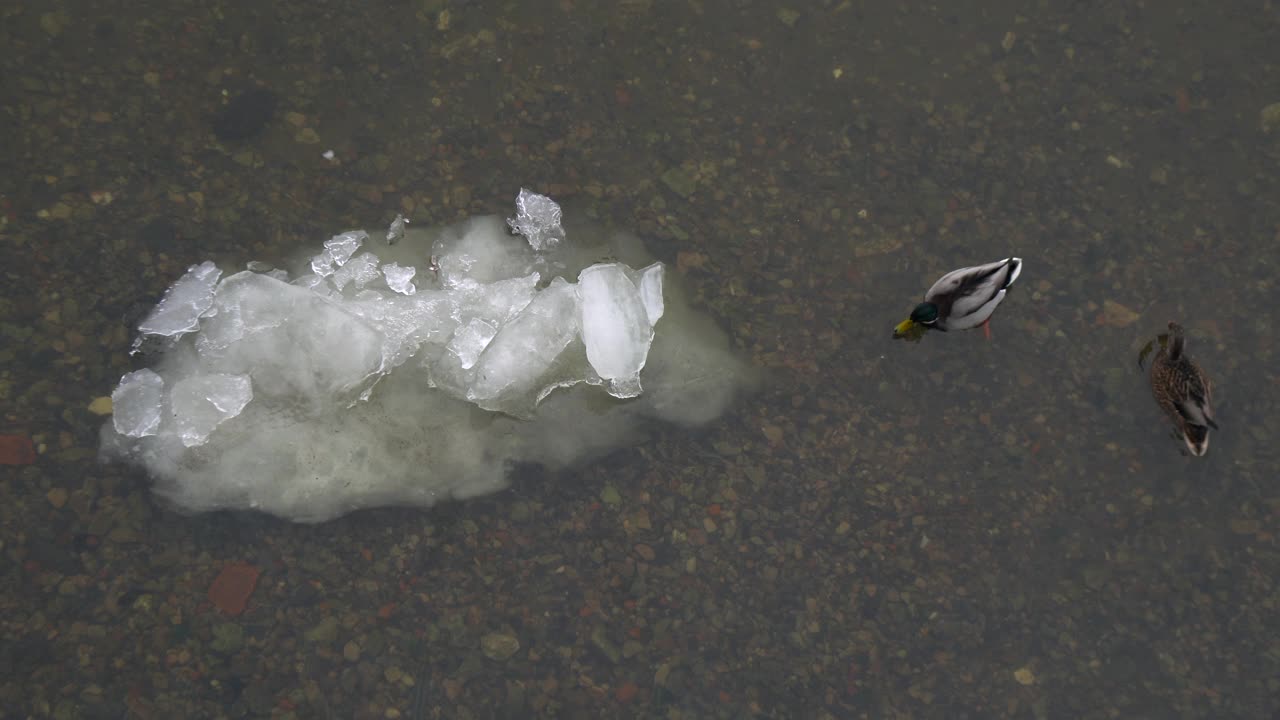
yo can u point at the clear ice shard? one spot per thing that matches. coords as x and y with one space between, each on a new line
201 403
183 304
499 301
516 361
651 292
480 250
337 251
359 271
470 340
135 404
615 326
291 340
405 323
400 279
537 219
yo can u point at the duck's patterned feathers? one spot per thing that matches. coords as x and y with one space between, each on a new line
967 297
1183 391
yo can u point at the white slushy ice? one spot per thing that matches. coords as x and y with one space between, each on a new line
402 374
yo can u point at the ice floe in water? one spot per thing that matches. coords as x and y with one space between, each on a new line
415 373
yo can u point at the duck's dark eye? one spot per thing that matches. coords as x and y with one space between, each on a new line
926 313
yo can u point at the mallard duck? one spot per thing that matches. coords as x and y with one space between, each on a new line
1183 391
962 299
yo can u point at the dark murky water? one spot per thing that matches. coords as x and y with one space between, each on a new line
959 527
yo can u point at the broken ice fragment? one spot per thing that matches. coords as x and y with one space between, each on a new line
496 302
399 278
342 247
361 271
291 340
183 304
204 402
404 322
395 233
615 327
651 292
524 350
135 404
537 219
337 251
480 250
470 340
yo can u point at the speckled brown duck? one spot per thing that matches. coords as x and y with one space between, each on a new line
1183 391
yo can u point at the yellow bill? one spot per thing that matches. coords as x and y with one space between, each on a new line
909 329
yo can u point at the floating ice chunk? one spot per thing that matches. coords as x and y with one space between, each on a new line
135 403
400 279
360 271
337 251
241 308
651 292
615 327
395 233
405 322
296 398
293 341
342 247
203 402
470 340
183 304
481 250
515 363
537 219
495 302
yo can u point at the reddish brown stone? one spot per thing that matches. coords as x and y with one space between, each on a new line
16 450
627 692
230 591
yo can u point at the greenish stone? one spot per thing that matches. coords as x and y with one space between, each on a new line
66 710
227 638
53 23
472 666
679 182
611 496
1269 118
498 646
601 641
325 632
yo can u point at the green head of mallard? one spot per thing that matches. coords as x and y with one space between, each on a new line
922 317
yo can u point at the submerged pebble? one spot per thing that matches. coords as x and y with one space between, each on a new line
246 115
